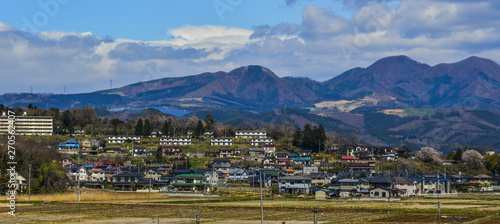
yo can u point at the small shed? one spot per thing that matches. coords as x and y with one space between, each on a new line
321 194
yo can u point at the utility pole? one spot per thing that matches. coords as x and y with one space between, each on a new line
78 174
439 211
29 183
316 215
149 194
261 205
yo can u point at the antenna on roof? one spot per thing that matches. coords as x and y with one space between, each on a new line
110 84
31 89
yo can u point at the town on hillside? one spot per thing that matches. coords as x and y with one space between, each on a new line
171 155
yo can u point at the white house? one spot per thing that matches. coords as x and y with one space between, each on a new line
237 174
294 184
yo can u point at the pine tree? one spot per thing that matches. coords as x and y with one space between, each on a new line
147 128
308 137
166 128
159 153
458 155
199 131
297 138
139 127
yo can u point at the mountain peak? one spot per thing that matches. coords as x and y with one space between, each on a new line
478 60
399 61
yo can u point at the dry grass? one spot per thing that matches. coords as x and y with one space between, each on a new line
92 195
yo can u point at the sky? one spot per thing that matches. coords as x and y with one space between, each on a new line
68 46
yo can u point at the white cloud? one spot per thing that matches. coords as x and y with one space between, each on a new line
322 46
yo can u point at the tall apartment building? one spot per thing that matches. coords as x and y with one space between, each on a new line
28 125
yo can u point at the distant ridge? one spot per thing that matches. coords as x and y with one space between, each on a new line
470 83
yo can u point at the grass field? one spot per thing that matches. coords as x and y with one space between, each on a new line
110 207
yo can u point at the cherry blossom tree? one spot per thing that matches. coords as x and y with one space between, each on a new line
428 154
473 158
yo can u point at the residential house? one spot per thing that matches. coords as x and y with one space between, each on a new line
309 169
171 150
265 179
333 149
211 175
77 173
127 180
66 161
190 183
226 152
406 187
208 134
222 164
237 174
481 180
319 179
221 141
153 173
384 192
261 141
269 149
367 168
255 152
80 132
211 154
349 187
294 185
139 151
284 163
69 147
112 149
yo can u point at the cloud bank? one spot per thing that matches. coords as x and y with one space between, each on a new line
322 46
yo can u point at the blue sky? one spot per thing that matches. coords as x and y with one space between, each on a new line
49 44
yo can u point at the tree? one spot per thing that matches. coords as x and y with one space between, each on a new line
147 128
138 127
52 177
308 137
159 153
30 106
199 130
209 121
362 174
473 158
67 120
115 122
297 138
166 128
428 154
321 138
458 155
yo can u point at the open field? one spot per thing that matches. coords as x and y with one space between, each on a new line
117 208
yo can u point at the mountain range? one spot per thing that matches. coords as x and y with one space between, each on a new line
393 82
396 99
